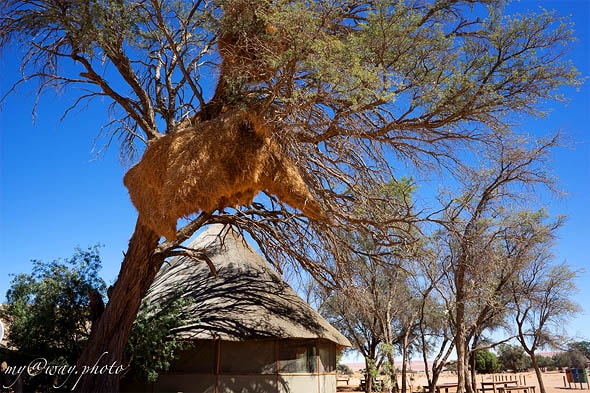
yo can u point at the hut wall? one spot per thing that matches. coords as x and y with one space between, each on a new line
258 366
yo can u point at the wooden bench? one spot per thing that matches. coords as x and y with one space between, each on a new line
523 389
342 378
494 386
446 388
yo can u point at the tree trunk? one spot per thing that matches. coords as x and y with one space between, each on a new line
460 331
537 371
405 363
460 364
99 367
369 374
460 346
432 383
437 365
472 372
392 372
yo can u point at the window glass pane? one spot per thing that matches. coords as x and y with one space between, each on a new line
201 358
248 357
298 356
327 356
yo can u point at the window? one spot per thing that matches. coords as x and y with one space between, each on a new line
327 356
200 358
247 357
298 356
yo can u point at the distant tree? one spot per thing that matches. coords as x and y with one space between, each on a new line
436 338
376 305
545 361
49 310
581 346
542 304
486 362
513 358
344 369
487 236
571 358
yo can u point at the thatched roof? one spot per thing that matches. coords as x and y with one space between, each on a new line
247 300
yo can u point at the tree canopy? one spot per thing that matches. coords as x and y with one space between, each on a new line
49 311
356 89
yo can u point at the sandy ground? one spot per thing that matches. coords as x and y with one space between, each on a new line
553 381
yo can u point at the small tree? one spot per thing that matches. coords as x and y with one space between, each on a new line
49 310
375 304
513 358
50 313
542 302
344 369
570 358
545 361
151 346
581 346
486 362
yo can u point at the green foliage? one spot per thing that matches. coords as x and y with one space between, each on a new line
151 347
582 347
486 362
344 369
545 361
49 316
513 358
570 358
48 310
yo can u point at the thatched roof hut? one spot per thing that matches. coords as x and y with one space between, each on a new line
251 331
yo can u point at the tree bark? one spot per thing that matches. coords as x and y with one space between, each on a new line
405 362
538 372
460 326
98 369
368 376
470 381
370 365
392 371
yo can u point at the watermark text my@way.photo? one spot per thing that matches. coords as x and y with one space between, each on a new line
64 373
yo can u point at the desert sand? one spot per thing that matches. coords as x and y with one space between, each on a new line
554 381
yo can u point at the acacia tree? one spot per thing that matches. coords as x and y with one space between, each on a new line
373 303
581 346
541 304
352 89
375 309
434 329
487 242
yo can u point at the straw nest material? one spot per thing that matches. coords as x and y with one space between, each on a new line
219 163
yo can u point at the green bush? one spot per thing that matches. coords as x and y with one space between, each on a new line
486 362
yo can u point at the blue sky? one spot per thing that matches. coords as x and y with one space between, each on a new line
57 194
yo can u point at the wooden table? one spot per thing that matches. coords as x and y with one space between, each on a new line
493 386
521 388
